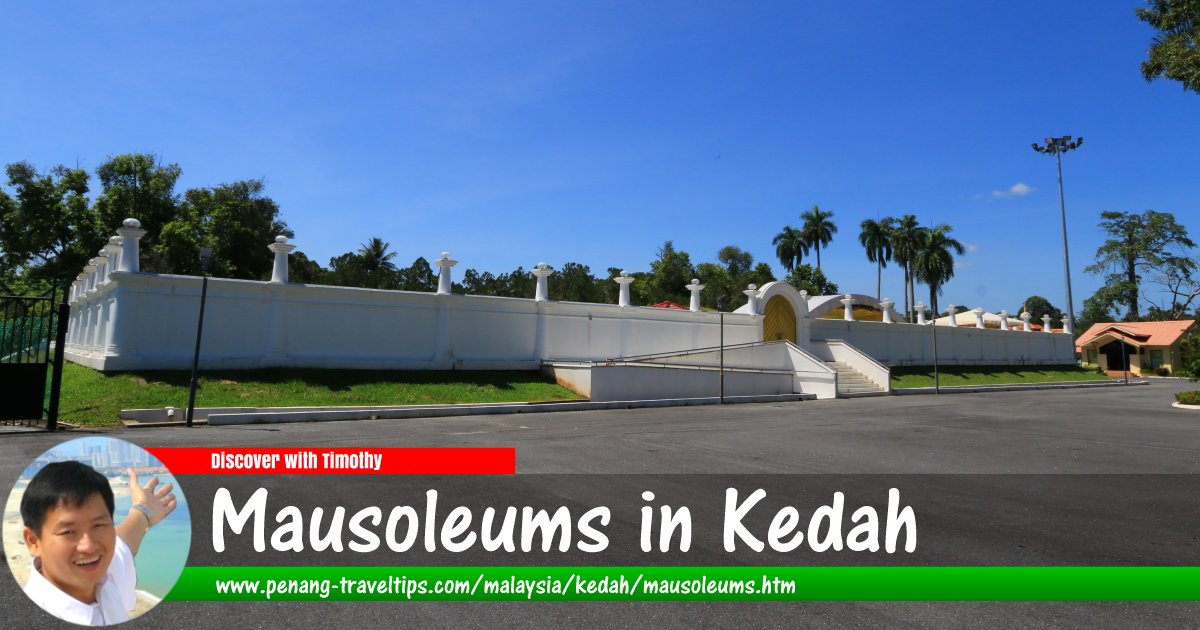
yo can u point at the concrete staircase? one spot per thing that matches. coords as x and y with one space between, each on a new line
852 384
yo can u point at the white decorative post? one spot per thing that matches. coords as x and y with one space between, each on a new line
102 266
847 308
281 248
542 271
1025 317
1066 324
624 280
953 314
920 313
1004 320
1046 323
444 265
887 310
978 317
77 287
130 233
114 255
695 288
90 270
752 297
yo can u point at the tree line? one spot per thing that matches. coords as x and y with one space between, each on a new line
50 227
925 254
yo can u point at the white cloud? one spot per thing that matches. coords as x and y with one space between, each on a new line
1019 189
971 248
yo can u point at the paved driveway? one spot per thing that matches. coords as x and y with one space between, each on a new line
1118 430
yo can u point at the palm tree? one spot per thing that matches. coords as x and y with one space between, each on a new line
934 263
906 239
876 237
790 247
818 230
376 257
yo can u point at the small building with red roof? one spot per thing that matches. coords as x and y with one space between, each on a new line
1142 348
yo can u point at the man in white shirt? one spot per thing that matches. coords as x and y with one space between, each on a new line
83 569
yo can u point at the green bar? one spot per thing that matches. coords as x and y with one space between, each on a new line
559 583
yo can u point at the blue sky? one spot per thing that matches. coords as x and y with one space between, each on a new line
512 133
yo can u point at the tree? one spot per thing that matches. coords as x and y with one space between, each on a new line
419 276
934 262
718 288
907 237
1038 306
1175 51
1148 242
762 274
138 185
818 230
236 219
48 232
876 237
303 270
669 274
1179 278
808 278
575 283
1101 307
790 247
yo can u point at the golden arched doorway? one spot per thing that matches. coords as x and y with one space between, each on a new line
779 320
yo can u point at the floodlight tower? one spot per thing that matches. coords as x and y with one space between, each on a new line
1057 147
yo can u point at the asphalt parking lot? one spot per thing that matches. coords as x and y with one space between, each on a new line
1128 430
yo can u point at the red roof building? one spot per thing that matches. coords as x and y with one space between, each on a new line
1139 347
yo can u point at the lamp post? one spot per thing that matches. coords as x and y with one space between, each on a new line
1057 147
721 311
205 259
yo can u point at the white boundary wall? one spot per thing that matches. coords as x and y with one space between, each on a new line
148 321
910 344
126 320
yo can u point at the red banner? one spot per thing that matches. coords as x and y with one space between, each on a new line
338 461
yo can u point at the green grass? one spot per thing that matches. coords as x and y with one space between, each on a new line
922 376
95 399
1188 398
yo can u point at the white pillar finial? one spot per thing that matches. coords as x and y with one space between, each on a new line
920 313
281 248
624 280
1046 327
542 271
114 255
90 270
695 287
1003 320
847 307
102 266
752 298
131 232
445 285
978 311
1066 320
953 314
886 304
1025 317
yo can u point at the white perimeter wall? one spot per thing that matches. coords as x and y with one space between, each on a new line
148 321
910 344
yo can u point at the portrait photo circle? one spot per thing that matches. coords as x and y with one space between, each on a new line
96 531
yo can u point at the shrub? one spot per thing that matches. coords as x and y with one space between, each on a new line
1188 398
1162 370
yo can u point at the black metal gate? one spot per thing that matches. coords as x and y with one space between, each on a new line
32 340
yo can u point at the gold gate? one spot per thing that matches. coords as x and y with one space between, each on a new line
779 320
